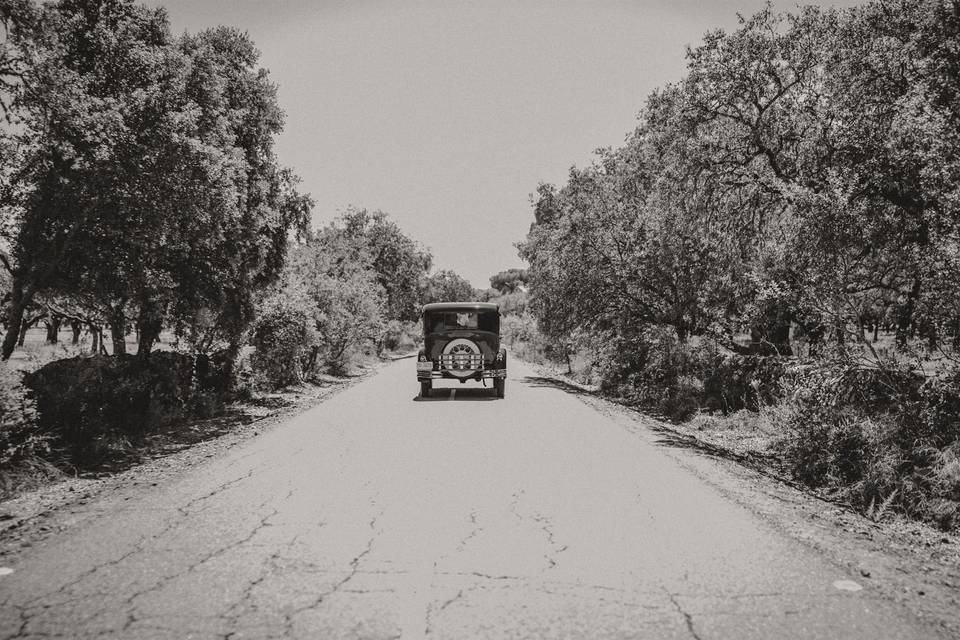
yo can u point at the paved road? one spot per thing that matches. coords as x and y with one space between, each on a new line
378 515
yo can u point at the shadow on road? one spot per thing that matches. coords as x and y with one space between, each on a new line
674 439
467 394
538 381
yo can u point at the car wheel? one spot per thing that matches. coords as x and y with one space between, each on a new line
425 388
500 386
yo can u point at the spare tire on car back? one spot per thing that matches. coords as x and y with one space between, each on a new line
457 347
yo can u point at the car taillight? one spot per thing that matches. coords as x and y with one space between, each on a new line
423 357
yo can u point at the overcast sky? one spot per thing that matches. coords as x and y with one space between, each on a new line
447 114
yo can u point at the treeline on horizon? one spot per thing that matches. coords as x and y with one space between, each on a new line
781 229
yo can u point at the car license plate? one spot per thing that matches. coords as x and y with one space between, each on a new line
424 366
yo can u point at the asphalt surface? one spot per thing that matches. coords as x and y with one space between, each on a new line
381 515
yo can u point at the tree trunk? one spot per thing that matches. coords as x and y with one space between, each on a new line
118 331
95 335
19 299
233 355
53 329
149 324
75 326
905 324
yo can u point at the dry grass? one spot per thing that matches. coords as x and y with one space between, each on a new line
743 432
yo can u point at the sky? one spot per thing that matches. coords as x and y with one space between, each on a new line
445 114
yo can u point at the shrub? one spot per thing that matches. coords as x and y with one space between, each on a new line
349 317
399 335
522 337
93 407
20 437
879 437
653 369
283 338
512 304
733 382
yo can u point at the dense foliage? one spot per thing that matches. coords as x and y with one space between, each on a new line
19 439
804 173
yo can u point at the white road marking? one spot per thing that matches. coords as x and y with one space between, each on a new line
847 585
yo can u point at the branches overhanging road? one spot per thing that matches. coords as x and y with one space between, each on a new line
381 515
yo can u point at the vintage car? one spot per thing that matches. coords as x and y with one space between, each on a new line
461 341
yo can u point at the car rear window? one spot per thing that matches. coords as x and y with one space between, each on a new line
460 320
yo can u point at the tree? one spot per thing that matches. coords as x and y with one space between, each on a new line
448 286
399 262
342 293
152 182
509 281
802 174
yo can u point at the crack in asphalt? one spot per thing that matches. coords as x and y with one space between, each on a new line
26 612
544 523
268 568
24 621
473 532
138 547
185 509
428 615
688 618
338 586
130 602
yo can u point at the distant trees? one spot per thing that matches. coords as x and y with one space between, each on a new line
448 286
399 263
802 179
509 281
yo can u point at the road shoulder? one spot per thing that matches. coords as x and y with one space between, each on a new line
27 520
909 563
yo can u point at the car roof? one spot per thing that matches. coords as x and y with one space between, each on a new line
460 306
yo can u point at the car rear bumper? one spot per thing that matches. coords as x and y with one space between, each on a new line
437 374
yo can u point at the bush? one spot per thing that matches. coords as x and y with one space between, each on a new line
735 382
878 437
283 338
399 335
522 337
654 370
512 304
92 407
20 438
